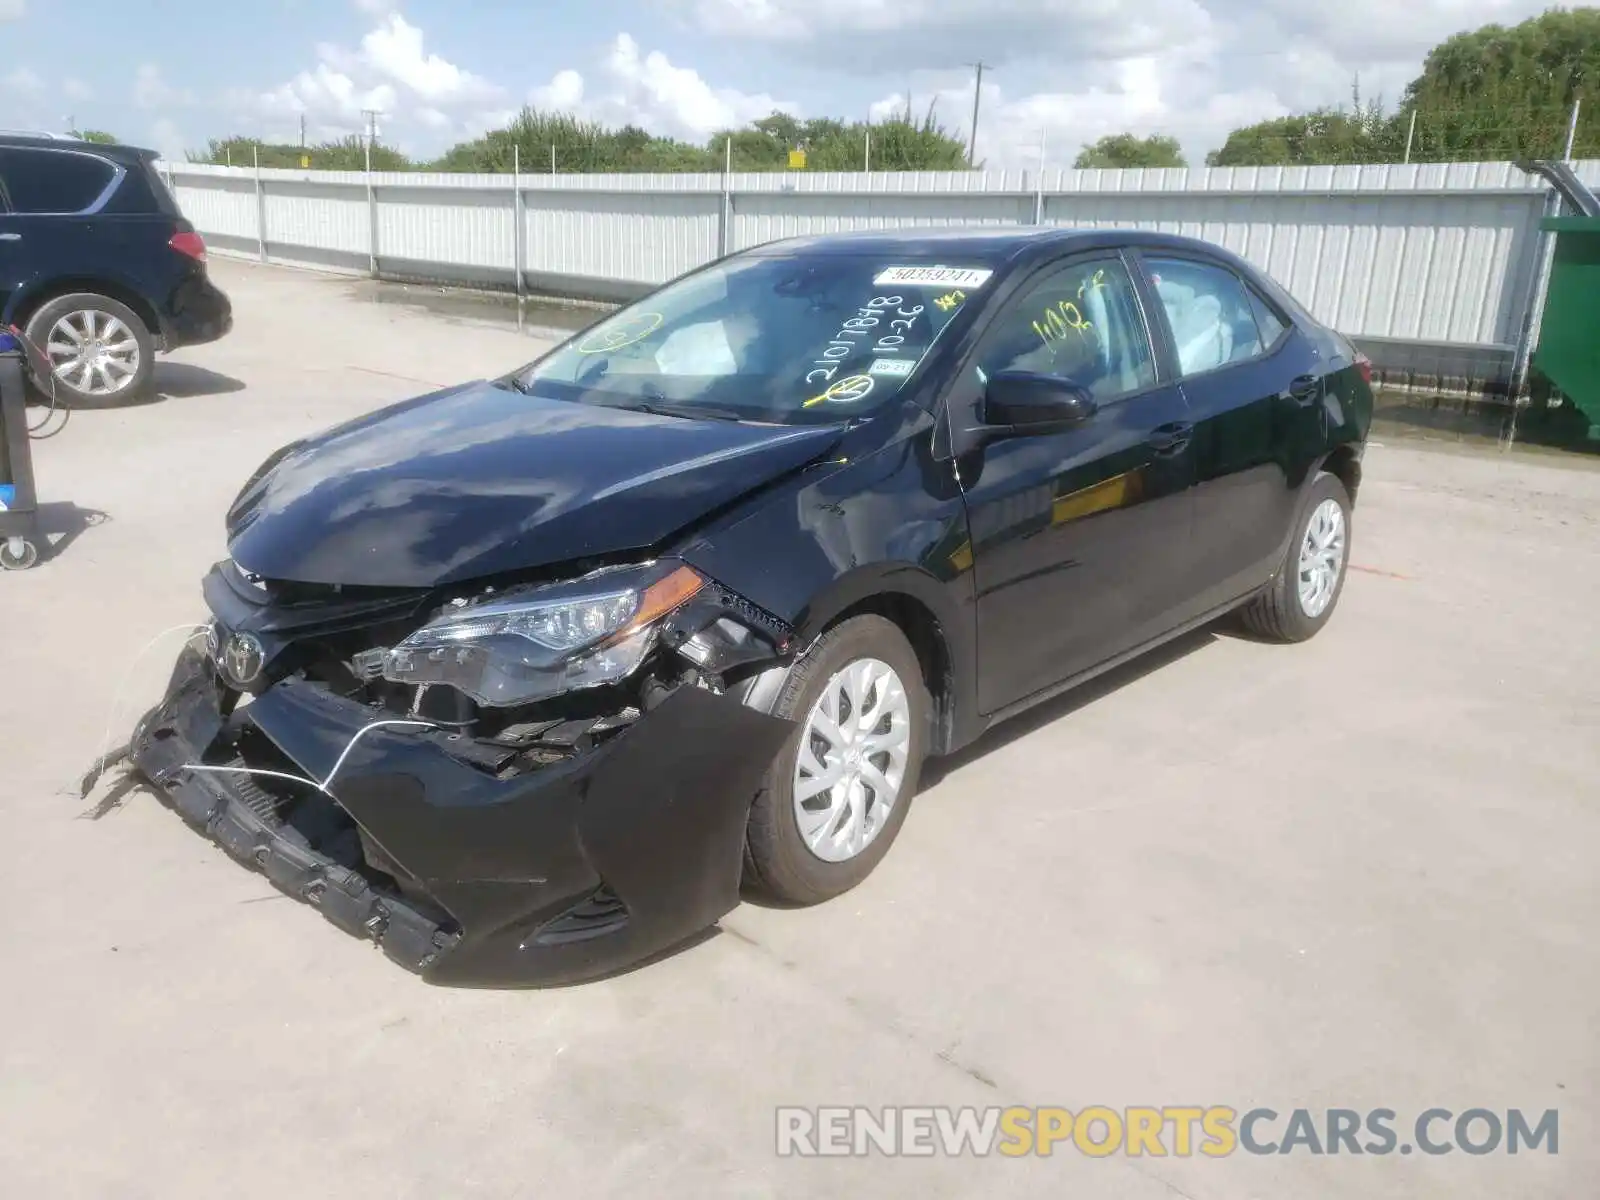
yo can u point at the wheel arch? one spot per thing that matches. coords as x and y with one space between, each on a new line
35 298
916 604
1345 462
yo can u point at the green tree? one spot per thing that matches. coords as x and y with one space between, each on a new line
1122 150
347 154
1324 137
99 136
1492 94
1503 93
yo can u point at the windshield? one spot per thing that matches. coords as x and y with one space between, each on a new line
786 340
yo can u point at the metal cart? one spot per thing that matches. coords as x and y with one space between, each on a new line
19 530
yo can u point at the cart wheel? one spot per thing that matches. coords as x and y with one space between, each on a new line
17 554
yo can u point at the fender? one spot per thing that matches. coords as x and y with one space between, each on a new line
886 530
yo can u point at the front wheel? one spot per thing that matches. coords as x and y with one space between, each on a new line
97 351
1301 598
833 802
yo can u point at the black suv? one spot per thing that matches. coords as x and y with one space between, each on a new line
98 267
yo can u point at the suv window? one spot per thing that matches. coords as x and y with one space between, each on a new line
51 181
1082 323
1210 313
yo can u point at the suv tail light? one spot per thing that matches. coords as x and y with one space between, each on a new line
191 244
1364 365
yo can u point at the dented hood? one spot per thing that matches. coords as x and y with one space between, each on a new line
480 479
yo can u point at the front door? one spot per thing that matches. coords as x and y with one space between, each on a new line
1074 533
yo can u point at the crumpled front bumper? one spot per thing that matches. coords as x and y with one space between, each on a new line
564 873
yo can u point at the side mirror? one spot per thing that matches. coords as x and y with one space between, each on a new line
1020 403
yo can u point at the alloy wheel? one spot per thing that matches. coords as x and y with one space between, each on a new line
1321 558
93 351
852 761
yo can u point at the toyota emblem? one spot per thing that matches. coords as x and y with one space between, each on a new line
243 658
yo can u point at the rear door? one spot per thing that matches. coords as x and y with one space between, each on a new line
1253 384
1074 533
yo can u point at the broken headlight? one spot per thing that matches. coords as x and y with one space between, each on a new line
535 644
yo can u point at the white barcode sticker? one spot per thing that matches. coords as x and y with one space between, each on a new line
952 277
895 368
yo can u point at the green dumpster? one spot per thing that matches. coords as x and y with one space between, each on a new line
1569 332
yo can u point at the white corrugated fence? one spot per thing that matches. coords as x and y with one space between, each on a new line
1432 267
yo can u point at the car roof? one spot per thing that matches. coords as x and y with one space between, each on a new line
986 245
126 155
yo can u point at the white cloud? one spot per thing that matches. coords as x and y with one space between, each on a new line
650 91
564 93
1073 67
167 138
151 90
23 82
76 89
394 51
13 10
390 72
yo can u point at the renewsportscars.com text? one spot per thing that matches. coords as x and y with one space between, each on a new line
1179 1131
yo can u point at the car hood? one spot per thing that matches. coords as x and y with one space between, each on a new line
480 479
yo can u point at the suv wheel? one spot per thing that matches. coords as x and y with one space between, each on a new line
836 797
99 353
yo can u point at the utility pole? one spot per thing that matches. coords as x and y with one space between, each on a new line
977 98
1572 130
372 115
302 131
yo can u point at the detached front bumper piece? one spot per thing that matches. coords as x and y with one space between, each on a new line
463 874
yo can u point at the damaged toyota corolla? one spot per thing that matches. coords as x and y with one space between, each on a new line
525 679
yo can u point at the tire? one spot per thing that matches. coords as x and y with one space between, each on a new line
128 343
1281 612
779 864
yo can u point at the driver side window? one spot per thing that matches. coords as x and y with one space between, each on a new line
1080 323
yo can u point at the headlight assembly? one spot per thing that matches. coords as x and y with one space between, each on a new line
542 642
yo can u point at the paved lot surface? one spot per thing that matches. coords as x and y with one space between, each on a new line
1359 873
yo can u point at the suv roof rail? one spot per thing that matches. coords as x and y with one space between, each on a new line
41 133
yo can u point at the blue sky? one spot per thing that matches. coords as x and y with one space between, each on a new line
177 72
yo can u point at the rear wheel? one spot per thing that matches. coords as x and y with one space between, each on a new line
1301 599
97 352
835 799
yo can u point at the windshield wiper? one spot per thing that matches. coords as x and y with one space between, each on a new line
688 412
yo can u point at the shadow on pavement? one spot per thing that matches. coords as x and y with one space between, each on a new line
175 380
937 770
60 523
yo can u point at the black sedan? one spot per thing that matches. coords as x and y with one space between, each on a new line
524 679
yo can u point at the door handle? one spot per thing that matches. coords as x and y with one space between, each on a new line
1304 389
1170 438
10 237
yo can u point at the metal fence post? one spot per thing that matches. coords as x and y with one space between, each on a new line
518 227
372 218
261 210
1544 253
725 234
1038 194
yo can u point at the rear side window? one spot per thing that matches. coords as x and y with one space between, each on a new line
1211 313
42 182
1267 321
